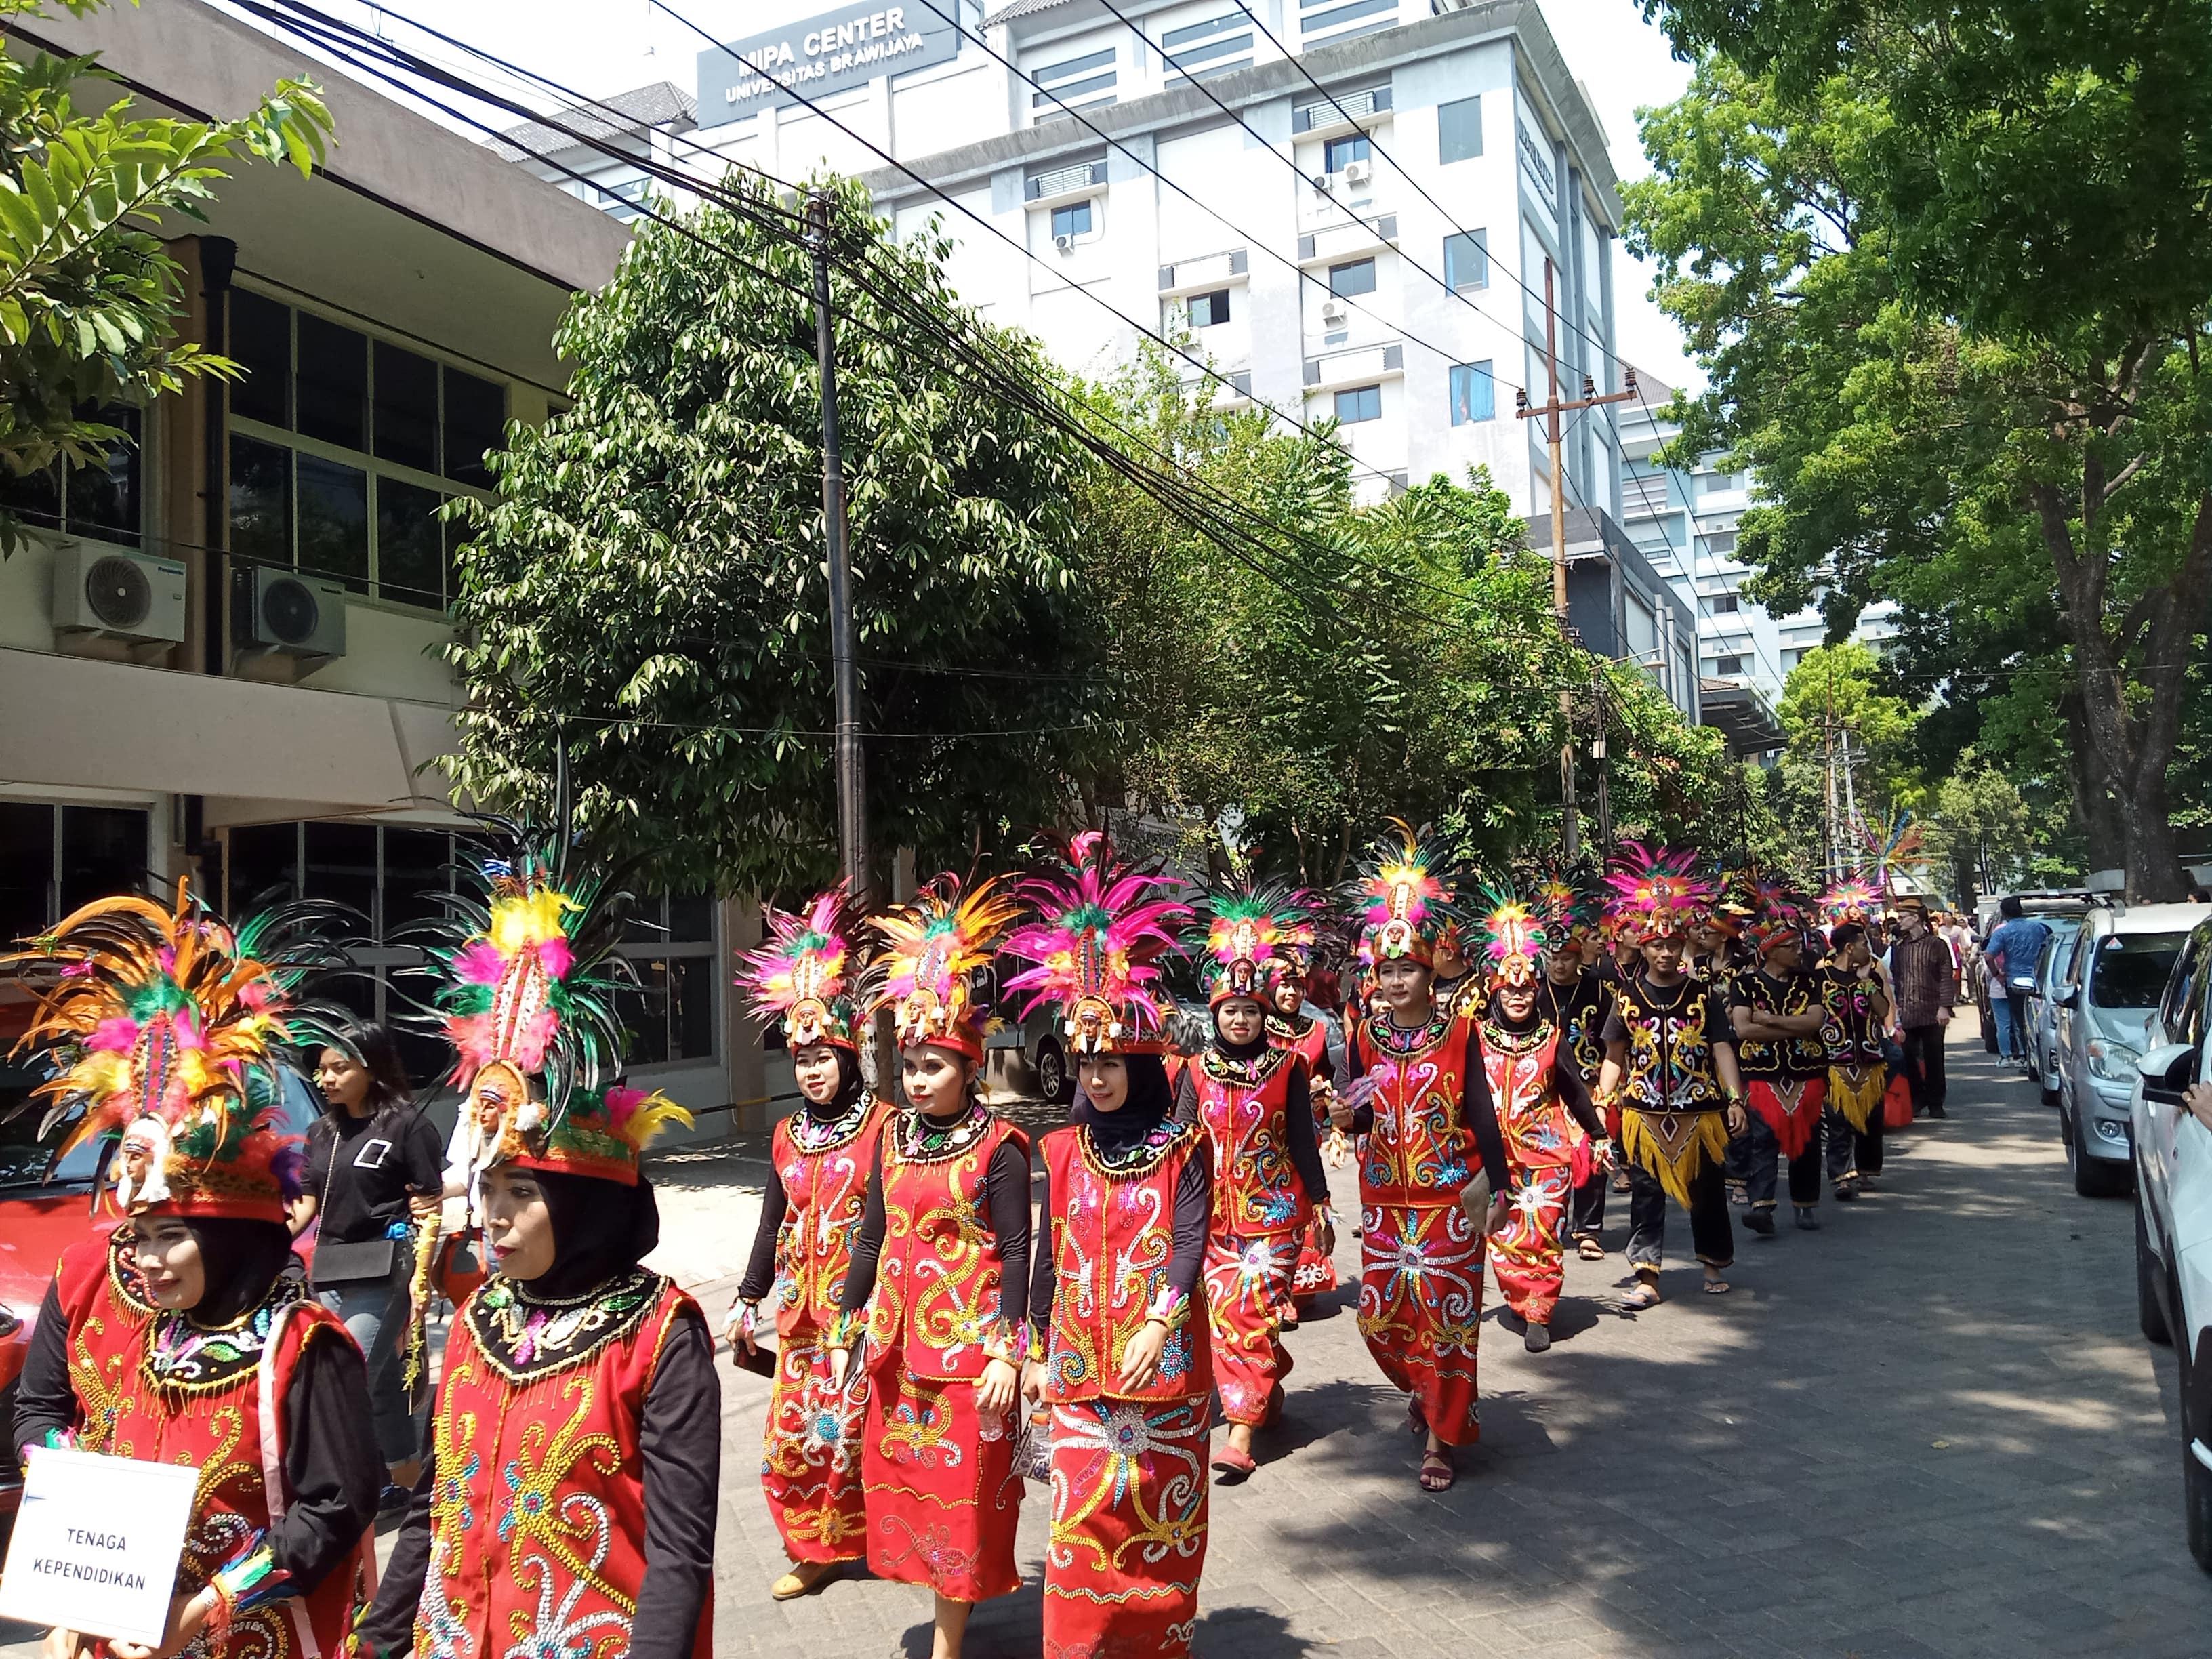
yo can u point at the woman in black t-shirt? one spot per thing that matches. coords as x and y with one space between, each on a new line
373 1164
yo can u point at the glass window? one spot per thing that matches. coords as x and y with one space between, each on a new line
2131 968
102 500
36 497
691 919
263 865
1359 403
341 867
1474 393
1354 276
671 944
1073 220
1208 309
1729 666
104 851
1466 260
261 345
406 408
333 520
475 421
1725 604
260 501
411 558
332 382
1459 131
1338 151
415 864
26 868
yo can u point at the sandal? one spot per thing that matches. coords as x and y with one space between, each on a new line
1416 1420
1589 1249
1717 1287
1643 1296
804 1579
1437 1471
1233 1462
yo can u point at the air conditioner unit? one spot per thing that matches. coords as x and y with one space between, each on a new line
1320 182
126 596
1332 311
272 609
1358 173
1064 243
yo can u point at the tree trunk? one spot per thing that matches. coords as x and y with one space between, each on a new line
2094 809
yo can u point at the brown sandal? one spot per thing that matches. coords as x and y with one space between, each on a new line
1437 1471
1589 1249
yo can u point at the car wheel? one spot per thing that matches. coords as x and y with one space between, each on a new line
2150 1307
2049 1094
2094 1177
1054 1080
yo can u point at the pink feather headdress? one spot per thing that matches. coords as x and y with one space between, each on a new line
798 974
1657 893
1105 927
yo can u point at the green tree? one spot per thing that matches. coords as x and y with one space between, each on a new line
1863 223
649 583
88 301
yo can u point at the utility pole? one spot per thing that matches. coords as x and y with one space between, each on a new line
1828 779
851 761
1550 411
1601 752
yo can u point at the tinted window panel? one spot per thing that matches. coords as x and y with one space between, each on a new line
260 501
406 408
1459 131
475 417
26 863
333 382
2131 968
333 520
103 853
415 873
342 867
263 865
411 560
36 498
261 343
103 500
1355 277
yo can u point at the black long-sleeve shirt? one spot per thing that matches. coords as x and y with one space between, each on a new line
680 1446
330 1462
1298 1124
1478 1112
1193 1203
1006 1208
760 1266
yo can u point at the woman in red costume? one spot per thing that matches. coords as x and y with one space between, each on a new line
1118 1345
168 1023
1432 1159
1541 1100
1288 1026
943 1251
1252 1098
818 1162
569 1492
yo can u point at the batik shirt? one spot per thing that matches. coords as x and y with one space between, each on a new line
1669 1033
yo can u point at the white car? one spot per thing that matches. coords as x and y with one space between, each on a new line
2121 962
2173 1212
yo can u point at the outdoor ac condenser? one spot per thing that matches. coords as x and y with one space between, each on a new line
124 595
272 609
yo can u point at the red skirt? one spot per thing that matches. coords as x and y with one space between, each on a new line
1791 1109
942 1494
1248 1292
1527 1253
1128 1528
1315 1272
810 1455
1420 1309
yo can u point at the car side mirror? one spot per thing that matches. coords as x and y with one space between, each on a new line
2066 996
2167 1071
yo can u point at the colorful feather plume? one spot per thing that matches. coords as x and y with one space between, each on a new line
932 947
798 974
1104 928
1512 934
1852 899
1249 932
1656 892
1892 845
1403 898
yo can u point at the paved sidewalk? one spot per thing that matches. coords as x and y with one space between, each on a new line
1929 1429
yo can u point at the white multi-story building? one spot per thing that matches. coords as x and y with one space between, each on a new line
1686 523
1345 207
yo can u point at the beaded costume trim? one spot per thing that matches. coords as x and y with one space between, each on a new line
921 1142
1135 1163
809 1135
1393 1040
183 1357
524 1338
1243 1073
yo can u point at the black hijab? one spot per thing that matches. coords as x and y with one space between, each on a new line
601 1230
1251 1050
849 1084
1150 1102
1495 1010
242 1259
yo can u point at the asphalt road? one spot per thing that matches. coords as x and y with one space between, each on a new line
1928 1429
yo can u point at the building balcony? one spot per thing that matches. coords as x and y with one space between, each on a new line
1355 365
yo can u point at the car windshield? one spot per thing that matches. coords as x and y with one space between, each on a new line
2131 968
24 1150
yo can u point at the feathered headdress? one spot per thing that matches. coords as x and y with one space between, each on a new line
1402 897
1852 899
1511 936
528 995
798 974
1657 893
1569 903
1248 933
932 946
1096 948
1777 914
166 1029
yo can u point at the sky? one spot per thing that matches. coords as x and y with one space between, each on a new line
603 46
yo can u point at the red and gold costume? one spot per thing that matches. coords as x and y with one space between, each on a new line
1124 1225
1306 1038
811 1447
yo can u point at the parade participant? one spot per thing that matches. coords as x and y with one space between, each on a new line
1576 1000
1537 1092
1117 1342
940 1280
166 1026
818 1162
1777 1011
1288 1026
1670 1060
570 1491
1252 1100
1430 1162
1456 975
1857 1009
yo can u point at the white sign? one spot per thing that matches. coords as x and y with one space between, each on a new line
97 1544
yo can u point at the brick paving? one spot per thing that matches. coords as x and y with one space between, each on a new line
1929 1430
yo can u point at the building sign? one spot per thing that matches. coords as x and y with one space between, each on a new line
819 56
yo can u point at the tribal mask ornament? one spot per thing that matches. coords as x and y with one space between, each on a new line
1852 899
166 1028
1657 893
932 948
798 974
1105 928
1251 936
1402 899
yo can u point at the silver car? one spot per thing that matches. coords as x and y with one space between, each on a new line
2041 1011
2114 977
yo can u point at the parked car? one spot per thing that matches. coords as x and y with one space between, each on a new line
2173 1214
2040 1013
2115 977
1039 1040
2046 905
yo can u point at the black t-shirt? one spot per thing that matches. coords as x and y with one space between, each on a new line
381 1158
